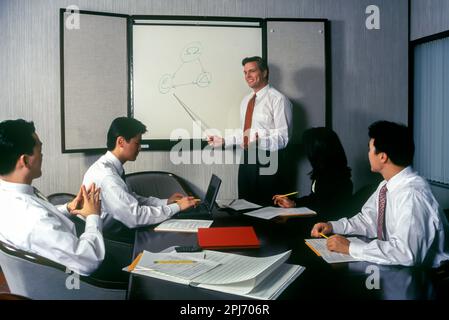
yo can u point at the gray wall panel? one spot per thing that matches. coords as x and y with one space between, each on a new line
95 81
428 17
369 74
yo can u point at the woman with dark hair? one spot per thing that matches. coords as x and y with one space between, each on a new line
331 177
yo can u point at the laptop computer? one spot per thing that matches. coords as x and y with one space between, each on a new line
204 209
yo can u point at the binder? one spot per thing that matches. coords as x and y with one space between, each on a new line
228 238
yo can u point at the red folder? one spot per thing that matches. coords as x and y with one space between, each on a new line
227 238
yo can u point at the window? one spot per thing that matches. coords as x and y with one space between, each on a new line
431 110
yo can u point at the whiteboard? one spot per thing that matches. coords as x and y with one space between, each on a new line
188 80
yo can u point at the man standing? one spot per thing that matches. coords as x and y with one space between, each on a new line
121 207
402 215
266 116
28 221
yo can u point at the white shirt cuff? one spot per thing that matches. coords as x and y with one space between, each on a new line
337 227
174 207
63 209
356 248
94 221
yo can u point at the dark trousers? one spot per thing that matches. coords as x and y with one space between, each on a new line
254 185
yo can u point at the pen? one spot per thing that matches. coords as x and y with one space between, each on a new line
197 200
174 261
288 194
324 236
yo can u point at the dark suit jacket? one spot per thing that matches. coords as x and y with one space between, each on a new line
332 194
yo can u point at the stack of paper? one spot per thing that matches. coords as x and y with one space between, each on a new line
268 213
183 225
259 278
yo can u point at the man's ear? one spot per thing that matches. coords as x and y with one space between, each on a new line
120 141
384 157
23 161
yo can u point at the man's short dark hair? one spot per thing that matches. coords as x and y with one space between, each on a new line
16 139
395 139
125 127
261 63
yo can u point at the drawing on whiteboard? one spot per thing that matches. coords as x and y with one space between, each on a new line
190 72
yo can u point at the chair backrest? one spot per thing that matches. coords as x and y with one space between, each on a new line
156 184
360 197
36 277
60 198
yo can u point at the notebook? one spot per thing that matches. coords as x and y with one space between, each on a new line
204 209
228 238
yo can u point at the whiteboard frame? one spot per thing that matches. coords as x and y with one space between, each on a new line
167 144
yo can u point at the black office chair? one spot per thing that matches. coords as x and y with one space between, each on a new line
118 253
36 277
60 198
359 198
157 184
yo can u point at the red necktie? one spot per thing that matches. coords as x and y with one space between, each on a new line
248 120
381 212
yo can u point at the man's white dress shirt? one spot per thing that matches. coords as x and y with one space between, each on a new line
416 229
121 204
32 224
272 120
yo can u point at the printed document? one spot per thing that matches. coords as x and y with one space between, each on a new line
176 265
268 213
183 225
330 257
258 278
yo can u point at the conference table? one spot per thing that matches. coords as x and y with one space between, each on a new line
352 280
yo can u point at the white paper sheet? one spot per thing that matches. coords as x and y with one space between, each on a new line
183 225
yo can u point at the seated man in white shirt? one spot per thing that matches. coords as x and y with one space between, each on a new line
402 216
120 207
28 221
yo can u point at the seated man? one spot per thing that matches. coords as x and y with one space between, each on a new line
28 221
402 214
120 206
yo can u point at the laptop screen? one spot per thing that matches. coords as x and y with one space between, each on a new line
212 192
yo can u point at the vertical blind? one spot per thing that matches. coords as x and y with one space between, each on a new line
431 110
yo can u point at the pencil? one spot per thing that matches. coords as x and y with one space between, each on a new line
324 236
174 261
288 194
197 200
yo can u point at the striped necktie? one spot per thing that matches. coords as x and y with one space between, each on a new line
381 213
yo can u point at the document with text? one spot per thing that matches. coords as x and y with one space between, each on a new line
183 225
268 213
258 278
319 247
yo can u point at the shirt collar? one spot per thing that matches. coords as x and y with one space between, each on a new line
115 162
396 180
262 91
17 187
